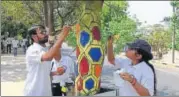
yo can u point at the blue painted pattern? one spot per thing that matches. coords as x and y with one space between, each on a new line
95 54
89 84
84 38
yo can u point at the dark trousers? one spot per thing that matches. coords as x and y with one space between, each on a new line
56 90
24 49
2 48
8 48
15 51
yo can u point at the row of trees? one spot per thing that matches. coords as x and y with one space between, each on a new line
18 16
55 14
173 22
163 37
52 14
159 36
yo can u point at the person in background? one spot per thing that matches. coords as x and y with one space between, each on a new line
15 43
9 44
139 73
3 45
58 77
38 61
61 79
24 44
71 76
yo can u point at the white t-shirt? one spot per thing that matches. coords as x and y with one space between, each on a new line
38 78
142 72
5 43
15 43
65 61
9 40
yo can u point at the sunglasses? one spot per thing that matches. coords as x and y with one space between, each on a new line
127 47
43 32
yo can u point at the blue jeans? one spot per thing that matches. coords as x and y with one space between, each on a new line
15 51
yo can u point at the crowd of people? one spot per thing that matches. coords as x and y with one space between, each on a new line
10 45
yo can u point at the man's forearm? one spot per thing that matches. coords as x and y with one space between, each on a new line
57 56
54 49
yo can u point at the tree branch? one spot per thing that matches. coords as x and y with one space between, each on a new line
32 9
58 9
72 9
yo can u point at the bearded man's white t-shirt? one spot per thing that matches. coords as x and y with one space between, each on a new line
38 81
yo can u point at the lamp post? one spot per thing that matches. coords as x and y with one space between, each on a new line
173 36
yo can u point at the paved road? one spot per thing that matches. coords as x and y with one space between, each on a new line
13 75
168 82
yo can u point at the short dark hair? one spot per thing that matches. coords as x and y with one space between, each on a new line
32 30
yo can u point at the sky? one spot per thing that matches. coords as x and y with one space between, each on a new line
151 11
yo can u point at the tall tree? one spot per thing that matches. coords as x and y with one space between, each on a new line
90 52
159 38
45 6
175 5
173 21
115 21
50 17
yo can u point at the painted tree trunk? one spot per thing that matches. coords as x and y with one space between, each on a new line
90 52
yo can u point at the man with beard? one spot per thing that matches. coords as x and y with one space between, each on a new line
38 61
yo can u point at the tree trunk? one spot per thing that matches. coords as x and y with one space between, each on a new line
90 52
50 18
45 13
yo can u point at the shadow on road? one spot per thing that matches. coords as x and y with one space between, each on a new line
165 91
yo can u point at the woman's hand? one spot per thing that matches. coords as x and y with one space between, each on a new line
126 76
60 70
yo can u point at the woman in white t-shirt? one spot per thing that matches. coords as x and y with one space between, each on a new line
139 75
